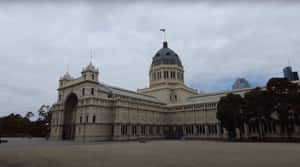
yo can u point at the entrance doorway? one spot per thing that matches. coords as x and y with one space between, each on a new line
70 117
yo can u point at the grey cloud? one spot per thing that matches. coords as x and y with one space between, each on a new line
19 90
216 43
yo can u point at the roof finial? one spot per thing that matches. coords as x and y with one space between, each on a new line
91 55
67 68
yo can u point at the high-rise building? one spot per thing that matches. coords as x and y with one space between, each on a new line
295 75
289 74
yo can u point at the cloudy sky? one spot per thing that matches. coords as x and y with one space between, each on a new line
217 43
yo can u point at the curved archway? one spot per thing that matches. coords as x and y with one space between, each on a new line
70 117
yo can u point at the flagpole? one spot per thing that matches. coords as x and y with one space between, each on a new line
164 31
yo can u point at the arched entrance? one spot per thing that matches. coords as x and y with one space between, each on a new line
70 117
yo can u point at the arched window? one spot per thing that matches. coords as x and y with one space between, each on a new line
93 77
92 91
83 91
94 118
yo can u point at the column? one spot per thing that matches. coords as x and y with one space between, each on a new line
246 130
296 127
225 133
129 130
219 129
146 130
184 130
138 130
206 130
155 130
117 131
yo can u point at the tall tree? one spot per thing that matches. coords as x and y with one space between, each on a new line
42 124
257 109
286 95
229 113
29 115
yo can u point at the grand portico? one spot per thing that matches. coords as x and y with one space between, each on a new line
89 110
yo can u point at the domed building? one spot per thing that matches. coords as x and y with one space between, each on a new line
89 110
240 83
166 77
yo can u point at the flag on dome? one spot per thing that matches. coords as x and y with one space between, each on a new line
163 30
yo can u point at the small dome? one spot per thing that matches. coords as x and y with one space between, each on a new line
241 83
90 67
67 76
166 56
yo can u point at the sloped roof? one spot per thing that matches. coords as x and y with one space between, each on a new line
129 93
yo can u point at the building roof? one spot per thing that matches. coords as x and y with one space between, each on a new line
241 83
129 93
166 56
67 76
90 67
215 96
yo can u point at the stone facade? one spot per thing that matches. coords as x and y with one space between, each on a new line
88 110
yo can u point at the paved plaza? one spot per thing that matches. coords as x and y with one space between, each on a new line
163 153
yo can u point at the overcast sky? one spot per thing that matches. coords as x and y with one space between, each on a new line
217 43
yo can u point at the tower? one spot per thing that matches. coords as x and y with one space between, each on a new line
90 73
63 81
289 74
166 77
166 68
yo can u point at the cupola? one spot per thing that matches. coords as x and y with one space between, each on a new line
90 73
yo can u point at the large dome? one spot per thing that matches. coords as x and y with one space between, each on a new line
166 56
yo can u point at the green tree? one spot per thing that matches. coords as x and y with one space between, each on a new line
229 113
42 124
286 96
257 109
13 125
29 115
